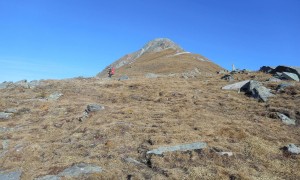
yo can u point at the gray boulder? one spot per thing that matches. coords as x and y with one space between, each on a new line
258 91
14 175
292 148
289 69
281 87
286 120
5 116
266 69
55 96
94 108
290 76
274 79
5 85
182 147
237 86
122 78
80 169
228 77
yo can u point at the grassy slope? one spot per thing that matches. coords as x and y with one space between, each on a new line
142 114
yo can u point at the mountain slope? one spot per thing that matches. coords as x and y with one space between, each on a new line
161 56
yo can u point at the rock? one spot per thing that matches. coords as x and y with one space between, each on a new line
289 69
5 144
183 147
5 84
290 76
55 96
222 71
258 91
274 79
14 175
286 120
49 177
22 83
228 77
94 108
237 86
11 110
5 116
292 148
281 87
80 169
266 69
225 153
131 160
33 84
152 75
122 78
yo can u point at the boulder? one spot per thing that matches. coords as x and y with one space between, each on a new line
225 153
274 79
290 76
292 148
5 85
80 169
182 147
94 108
258 91
55 96
266 69
289 69
281 87
286 120
14 175
4 115
237 86
228 77
122 78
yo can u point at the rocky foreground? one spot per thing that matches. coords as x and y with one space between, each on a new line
151 127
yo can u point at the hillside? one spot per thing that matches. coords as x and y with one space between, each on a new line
46 136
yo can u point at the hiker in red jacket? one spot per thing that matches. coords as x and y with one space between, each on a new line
111 72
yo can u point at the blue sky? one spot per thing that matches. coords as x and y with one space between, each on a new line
55 39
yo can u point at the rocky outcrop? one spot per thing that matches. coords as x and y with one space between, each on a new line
290 76
286 120
237 86
13 175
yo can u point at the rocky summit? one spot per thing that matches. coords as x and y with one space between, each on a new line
165 114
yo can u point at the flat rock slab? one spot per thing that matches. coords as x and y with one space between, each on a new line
73 172
4 115
286 120
281 87
55 96
290 76
274 79
236 86
152 75
15 175
183 147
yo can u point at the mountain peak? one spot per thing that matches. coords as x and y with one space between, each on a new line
161 44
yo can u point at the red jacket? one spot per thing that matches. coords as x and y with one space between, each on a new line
112 71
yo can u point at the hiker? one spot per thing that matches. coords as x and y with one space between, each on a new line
111 72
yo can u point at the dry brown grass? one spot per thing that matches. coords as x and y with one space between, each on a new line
142 114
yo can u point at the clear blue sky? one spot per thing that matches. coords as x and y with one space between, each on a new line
55 39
